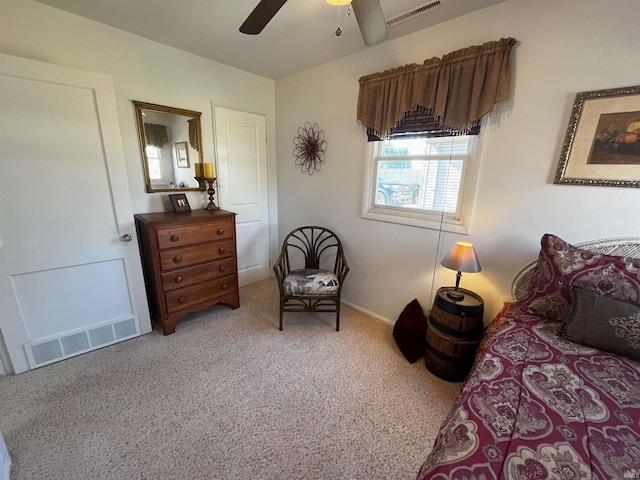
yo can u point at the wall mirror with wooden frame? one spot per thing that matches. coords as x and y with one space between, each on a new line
171 146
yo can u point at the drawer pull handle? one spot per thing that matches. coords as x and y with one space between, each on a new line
177 258
179 279
224 286
175 238
221 250
182 299
222 268
221 231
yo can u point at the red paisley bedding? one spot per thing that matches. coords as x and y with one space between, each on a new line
537 406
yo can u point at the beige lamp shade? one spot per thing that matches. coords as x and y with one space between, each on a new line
462 258
338 2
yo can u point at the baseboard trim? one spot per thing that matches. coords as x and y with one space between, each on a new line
380 318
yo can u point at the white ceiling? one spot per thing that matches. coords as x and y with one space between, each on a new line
300 36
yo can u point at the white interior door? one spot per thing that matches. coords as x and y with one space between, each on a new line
70 272
241 146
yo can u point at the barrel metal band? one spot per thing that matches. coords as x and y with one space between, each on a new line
449 358
465 335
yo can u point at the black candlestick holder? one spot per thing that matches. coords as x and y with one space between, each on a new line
200 181
211 191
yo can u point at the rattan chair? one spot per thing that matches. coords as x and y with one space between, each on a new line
310 272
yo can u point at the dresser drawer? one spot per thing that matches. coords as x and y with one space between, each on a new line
185 297
181 235
200 273
207 252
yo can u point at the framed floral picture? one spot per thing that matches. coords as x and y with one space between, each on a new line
602 144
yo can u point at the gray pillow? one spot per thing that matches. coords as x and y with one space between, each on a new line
603 323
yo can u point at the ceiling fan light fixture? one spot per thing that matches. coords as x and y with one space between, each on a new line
338 2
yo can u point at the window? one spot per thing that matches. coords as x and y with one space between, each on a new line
154 161
424 182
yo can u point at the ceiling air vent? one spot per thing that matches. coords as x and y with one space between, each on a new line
403 17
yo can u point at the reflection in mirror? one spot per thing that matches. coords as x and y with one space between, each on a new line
171 146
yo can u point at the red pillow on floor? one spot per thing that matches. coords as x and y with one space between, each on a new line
410 331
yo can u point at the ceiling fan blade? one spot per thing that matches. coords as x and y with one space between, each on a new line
260 16
371 21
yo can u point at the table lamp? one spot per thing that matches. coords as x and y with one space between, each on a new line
461 258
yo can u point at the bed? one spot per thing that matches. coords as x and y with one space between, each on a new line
554 392
5 460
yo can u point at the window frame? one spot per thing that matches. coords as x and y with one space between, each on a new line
165 164
455 223
154 158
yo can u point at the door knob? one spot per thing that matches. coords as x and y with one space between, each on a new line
125 238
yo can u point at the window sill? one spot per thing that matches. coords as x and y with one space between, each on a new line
413 219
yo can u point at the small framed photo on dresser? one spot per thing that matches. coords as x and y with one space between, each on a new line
179 203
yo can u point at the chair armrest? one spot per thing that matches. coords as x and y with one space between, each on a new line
281 269
342 268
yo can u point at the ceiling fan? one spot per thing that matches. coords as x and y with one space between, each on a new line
368 13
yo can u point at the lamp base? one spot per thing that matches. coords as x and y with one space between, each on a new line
455 295
465 298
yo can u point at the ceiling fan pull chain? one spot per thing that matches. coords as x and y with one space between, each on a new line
368 13
339 29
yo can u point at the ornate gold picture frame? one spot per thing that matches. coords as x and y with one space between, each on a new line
602 144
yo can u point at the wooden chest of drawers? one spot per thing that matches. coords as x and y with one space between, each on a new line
189 262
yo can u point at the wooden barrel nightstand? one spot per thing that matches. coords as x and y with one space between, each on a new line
454 331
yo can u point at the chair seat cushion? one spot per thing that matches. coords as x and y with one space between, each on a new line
310 281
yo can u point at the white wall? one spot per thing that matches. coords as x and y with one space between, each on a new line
141 70
564 47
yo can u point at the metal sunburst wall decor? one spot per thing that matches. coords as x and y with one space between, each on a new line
310 146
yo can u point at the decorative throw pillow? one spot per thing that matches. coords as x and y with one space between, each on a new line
410 331
561 266
604 323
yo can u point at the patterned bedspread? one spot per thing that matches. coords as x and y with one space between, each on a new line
537 406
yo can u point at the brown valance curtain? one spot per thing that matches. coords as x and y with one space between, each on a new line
156 135
452 93
193 134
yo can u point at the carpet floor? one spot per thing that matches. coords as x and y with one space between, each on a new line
229 396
